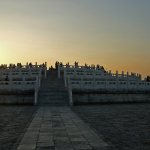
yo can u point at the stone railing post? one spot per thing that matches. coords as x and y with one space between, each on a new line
10 83
65 78
39 80
70 93
45 70
116 74
36 91
127 74
35 96
23 78
117 82
40 74
70 96
35 64
10 76
58 71
122 73
109 72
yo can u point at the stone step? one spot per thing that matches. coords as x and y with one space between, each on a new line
63 102
52 101
48 101
52 82
52 91
55 90
52 87
53 98
47 104
52 104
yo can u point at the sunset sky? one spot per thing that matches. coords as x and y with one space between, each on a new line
112 33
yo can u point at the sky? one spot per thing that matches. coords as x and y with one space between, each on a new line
112 33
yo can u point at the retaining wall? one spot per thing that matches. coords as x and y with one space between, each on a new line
91 98
17 97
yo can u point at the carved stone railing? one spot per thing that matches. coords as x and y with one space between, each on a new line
107 85
71 70
111 86
21 85
25 69
21 79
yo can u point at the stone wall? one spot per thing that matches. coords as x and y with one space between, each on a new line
89 98
17 99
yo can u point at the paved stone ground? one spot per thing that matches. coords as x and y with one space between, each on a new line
121 126
126 126
13 122
58 128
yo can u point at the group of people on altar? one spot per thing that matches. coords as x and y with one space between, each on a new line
76 65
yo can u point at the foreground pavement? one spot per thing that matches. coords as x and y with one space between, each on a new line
125 126
14 121
59 128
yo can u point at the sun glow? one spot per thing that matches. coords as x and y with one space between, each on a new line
4 53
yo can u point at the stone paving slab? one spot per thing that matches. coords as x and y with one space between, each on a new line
14 121
59 128
123 126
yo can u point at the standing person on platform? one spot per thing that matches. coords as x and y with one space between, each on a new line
76 64
30 65
56 65
148 78
67 65
61 64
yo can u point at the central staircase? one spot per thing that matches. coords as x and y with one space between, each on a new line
52 91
